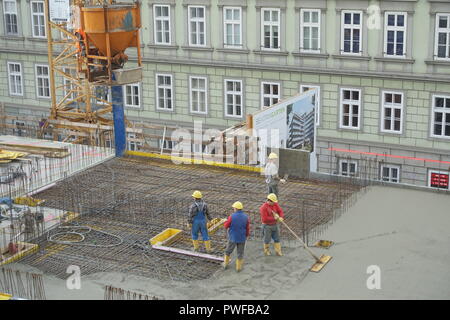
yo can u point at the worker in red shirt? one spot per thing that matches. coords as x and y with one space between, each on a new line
238 225
271 214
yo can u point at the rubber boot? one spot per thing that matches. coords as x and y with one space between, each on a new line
226 261
277 247
267 249
239 263
208 246
195 243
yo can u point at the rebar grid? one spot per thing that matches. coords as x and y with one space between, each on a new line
134 199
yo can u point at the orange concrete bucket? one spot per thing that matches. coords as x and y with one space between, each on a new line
120 21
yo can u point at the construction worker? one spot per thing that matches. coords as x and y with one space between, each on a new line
198 216
271 214
238 225
271 173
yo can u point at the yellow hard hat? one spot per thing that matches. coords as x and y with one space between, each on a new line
238 205
272 197
197 194
273 155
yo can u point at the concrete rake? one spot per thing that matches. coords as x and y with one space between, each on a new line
320 262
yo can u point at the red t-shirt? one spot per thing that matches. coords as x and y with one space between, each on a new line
266 213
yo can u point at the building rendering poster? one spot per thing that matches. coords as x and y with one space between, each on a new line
289 123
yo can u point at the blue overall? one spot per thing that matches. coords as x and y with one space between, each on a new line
199 225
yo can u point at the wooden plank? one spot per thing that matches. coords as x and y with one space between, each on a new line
31 148
189 253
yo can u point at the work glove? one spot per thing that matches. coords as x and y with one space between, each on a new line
280 219
283 180
189 225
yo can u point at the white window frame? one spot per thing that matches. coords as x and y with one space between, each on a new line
393 106
133 95
270 95
390 178
17 130
271 24
133 145
33 14
165 89
167 144
14 75
197 22
348 161
395 29
351 102
108 98
313 86
234 94
6 12
436 39
309 25
205 90
352 27
38 77
233 23
430 172
444 110
161 19
68 85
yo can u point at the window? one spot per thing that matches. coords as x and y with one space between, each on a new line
351 32
270 93
350 108
309 30
232 18
20 129
389 173
167 144
392 112
131 95
69 87
15 79
38 19
233 98
133 143
161 16
198 94
10 14
438 179
42 81
395 34
270 33
197 28
441 117
103 95
347 167
164 100
442 41
304 88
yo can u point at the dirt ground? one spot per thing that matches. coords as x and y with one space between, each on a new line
403 232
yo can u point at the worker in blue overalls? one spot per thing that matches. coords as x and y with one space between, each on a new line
198 216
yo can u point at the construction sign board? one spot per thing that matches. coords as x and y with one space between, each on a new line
289 124
59 10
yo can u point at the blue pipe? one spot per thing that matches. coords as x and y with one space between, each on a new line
120 138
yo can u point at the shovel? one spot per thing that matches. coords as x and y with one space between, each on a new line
320 262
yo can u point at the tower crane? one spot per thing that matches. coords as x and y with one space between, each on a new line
87 40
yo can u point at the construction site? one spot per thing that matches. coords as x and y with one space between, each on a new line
78 193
